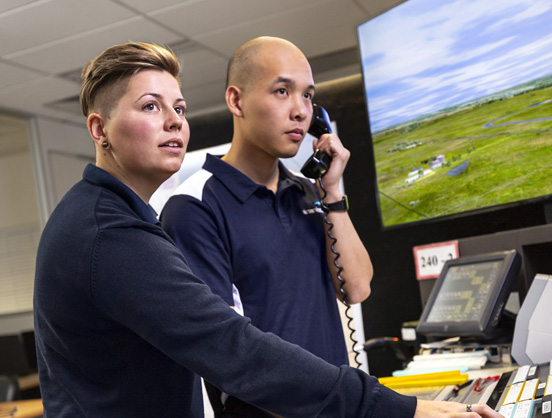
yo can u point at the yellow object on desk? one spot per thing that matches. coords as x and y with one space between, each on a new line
453 377
22 409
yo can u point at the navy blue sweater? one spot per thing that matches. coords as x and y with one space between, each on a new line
123 326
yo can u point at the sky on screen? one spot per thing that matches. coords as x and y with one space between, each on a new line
425 55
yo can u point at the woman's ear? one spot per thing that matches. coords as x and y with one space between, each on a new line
95 125
234 100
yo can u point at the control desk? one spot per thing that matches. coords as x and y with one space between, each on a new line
514 391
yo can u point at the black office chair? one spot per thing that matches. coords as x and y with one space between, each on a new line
14 362
13 356
387 354
9 389
28 338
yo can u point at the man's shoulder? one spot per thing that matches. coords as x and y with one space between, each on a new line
194 185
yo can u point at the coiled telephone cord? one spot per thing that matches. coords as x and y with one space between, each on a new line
342 281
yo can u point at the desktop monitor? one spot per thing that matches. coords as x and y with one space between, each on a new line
469 296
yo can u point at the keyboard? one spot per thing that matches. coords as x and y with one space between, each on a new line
430 363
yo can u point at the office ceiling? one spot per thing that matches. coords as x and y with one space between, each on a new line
45 43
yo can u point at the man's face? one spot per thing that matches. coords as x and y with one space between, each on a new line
277 105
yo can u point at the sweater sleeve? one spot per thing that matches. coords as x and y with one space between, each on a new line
142 280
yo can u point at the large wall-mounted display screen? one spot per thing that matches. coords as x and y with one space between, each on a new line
459 96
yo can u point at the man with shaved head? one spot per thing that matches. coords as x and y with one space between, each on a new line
250 230
247 225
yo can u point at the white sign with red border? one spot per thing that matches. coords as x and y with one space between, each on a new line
431 258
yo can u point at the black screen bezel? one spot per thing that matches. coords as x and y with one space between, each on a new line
489 320
544 200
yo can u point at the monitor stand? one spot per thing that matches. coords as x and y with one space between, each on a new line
504 334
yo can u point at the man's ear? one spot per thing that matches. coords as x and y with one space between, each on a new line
234 100
95 123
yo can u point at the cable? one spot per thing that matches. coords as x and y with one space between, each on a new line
342 281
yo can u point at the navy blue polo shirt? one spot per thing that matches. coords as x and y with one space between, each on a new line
262 252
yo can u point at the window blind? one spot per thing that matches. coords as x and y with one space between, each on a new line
18 247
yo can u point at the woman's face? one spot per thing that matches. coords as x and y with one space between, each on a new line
147 131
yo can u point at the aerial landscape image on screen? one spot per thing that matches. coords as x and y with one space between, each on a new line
459 97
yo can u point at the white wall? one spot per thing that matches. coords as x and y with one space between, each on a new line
59 152
18 190
19 232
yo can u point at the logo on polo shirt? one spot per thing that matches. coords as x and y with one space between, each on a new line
312 211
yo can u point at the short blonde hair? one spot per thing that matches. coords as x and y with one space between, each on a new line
100 87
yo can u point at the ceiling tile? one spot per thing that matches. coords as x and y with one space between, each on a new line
44 22
74 52
7 5
12 75
30 97
200 67
222 13
40 38
145 6
334 34
375 8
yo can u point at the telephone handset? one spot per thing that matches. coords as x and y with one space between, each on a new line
315 167
318 163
